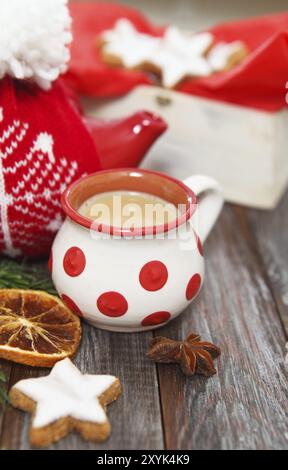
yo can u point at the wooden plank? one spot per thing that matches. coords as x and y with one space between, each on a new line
135 416
245 405
271 237
6 368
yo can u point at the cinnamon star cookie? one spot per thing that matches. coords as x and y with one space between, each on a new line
173 57
64 401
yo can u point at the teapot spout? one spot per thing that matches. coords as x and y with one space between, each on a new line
124 142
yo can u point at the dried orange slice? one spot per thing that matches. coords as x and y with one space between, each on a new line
36 328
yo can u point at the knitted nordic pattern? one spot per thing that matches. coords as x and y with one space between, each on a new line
43 148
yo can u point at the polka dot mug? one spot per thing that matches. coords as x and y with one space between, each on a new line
138 278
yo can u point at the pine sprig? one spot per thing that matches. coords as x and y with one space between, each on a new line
3 394
25 275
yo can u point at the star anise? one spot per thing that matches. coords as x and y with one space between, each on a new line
193 355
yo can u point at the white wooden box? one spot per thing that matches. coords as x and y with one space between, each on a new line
244 149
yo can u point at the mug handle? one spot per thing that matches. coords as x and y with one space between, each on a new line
210 202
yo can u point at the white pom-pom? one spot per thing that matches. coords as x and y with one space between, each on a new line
34 39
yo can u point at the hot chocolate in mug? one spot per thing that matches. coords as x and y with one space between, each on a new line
133 277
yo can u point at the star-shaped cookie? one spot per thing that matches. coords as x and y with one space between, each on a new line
125 46
175 68
225 56
173 57
64 401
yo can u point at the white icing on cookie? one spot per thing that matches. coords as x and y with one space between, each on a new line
66 392
181 55
222 53
187 44
125 42
175 68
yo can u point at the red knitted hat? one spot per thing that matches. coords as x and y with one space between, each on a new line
44 146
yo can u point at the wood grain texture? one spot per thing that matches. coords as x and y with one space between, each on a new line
245 405
5 367
270 231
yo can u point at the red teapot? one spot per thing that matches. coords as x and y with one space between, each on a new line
124 142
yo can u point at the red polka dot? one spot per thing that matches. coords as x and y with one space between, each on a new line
74 261
156 318
71 304
112 304
193 286
50 262
153 276
199 244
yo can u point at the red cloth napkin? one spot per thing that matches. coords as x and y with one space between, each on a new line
88 74
260 82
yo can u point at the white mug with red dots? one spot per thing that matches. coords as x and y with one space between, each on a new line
134 278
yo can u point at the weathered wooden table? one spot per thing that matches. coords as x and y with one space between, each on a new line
243 307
